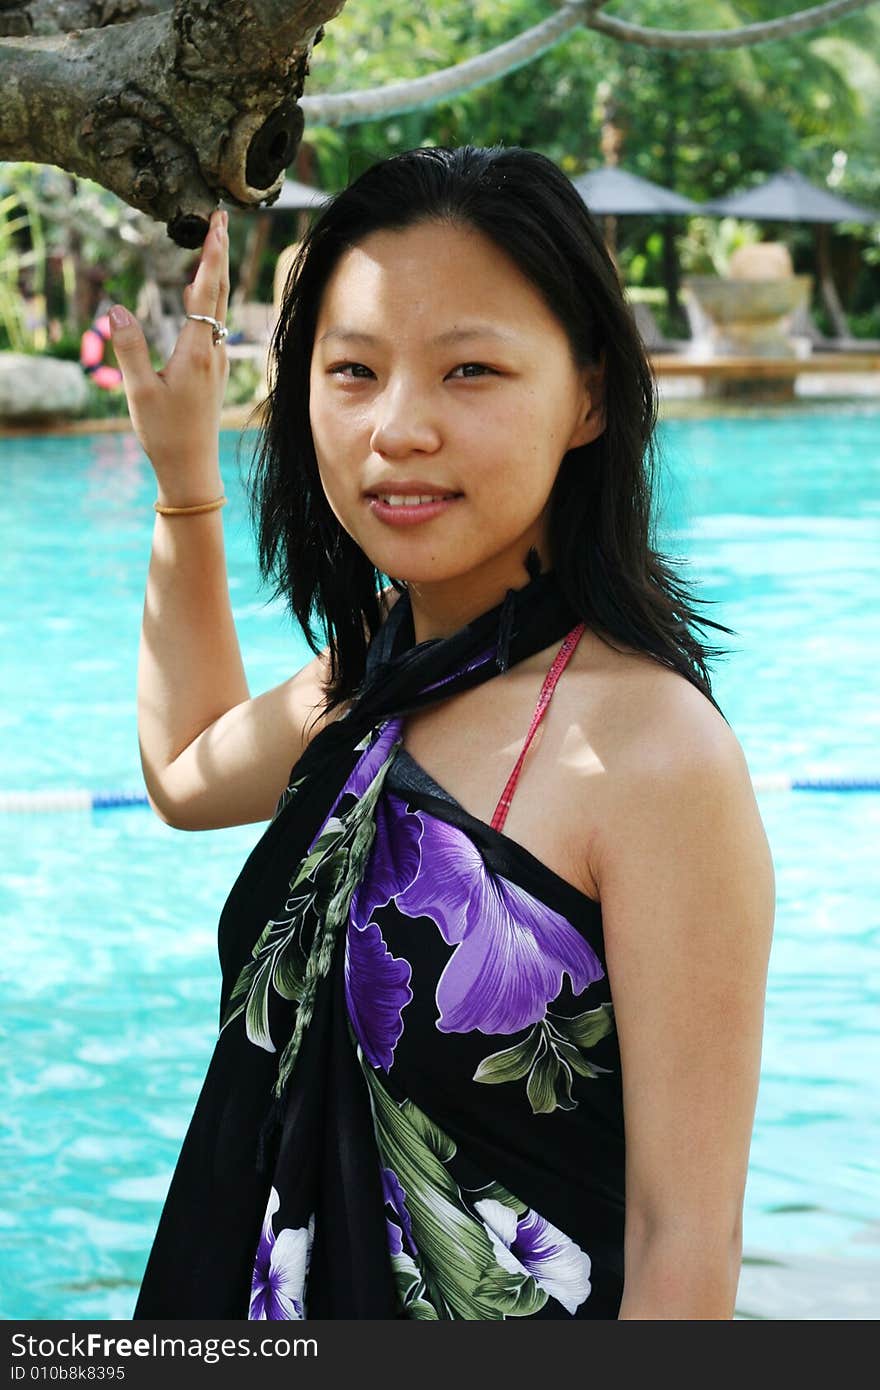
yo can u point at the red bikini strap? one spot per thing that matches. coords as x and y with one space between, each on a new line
560 662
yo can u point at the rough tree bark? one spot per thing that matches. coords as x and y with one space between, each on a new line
184 104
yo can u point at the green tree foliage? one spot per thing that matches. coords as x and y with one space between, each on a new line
702 122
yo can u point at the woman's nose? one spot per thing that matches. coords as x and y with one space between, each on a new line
403 422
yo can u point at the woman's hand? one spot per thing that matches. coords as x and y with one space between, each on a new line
176 411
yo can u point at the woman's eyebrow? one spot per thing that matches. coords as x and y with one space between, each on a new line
452 335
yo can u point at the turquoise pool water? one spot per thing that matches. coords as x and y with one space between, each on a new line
110 980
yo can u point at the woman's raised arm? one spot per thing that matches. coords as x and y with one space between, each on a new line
211 755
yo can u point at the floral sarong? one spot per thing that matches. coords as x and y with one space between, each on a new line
414 1107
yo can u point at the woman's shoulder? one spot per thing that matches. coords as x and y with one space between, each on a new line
647 708
634 724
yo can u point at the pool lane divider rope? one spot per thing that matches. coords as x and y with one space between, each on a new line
74 800
62 800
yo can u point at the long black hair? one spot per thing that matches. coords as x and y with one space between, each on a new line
601 526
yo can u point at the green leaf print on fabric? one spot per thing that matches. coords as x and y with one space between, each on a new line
585 1029
518 1297
456 1252
460 1273
547 1055
549 1085
411 1288
286 797
459 1253
494 1192
293 954
514 1062
422 1311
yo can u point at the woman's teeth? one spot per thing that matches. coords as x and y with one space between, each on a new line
395 500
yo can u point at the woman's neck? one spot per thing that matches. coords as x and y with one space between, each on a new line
442 608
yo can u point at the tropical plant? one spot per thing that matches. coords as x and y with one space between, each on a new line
22 248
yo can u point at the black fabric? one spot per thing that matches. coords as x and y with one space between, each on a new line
571 1170
202 1259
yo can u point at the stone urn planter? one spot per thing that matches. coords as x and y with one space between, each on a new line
749 314
750 318
34 388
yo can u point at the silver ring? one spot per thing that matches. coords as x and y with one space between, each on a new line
219 331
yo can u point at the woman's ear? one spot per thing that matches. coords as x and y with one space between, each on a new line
591 420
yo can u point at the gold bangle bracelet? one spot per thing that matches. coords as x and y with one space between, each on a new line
190 511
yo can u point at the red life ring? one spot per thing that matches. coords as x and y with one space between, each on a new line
91 355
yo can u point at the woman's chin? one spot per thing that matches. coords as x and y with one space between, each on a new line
425 575
414 563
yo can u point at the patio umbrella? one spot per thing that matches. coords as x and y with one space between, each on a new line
298 195
611 191
789 197
294 197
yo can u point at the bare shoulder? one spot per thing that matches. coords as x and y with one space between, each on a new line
669 726
652 716
679 797
650 740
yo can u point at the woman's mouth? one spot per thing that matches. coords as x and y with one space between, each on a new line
403 509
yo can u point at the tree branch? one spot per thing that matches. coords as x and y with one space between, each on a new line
798 23
346 108
171 111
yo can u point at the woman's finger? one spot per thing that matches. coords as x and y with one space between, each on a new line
132 353
223 294
205 288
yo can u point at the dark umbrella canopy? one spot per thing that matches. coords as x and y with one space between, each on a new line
612 192
789 197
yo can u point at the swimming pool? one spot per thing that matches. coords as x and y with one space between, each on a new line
110 991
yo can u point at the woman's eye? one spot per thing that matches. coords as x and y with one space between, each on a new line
480 366
344 367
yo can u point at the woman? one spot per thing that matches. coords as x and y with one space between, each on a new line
435 1018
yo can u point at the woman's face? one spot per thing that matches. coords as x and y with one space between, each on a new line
437 367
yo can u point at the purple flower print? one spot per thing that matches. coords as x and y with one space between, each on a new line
376 993
511 950
530 1243
395 1197
393 861
368 765
377 983
280 1269
376 750
395 1237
